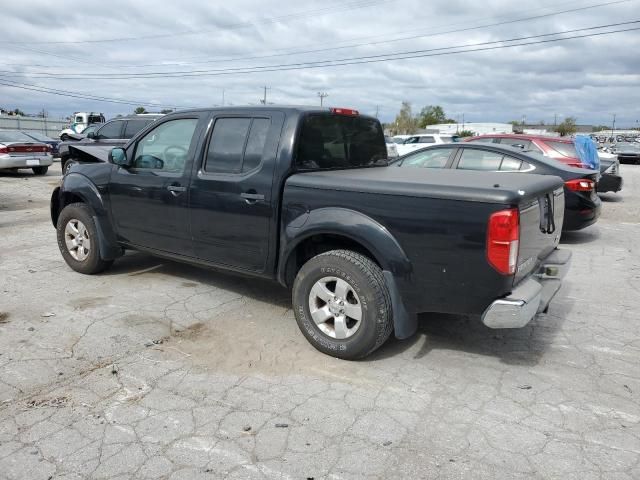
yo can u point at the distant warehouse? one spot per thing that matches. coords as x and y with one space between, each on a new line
478 128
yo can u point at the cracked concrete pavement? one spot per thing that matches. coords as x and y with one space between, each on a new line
161 370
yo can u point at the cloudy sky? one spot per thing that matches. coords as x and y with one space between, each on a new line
195 53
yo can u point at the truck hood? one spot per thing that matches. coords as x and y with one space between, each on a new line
98 153
473 186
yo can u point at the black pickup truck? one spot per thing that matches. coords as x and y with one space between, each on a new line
304 196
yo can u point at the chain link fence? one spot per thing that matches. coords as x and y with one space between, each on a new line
48 126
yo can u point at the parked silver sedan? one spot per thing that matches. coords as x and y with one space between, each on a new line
18 151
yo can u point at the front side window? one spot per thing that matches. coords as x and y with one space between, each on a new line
111 130
473 159
339 141
236 145
437 158
166 147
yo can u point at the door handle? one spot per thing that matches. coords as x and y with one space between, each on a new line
252 197
176 189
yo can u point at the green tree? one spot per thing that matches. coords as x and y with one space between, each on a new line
431 115
140 110
17 111
405 123
567 127
465 133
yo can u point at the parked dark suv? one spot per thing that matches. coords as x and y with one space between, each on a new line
114 133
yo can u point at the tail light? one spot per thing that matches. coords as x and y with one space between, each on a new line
578 165
3 150
580 185
345 111
503 238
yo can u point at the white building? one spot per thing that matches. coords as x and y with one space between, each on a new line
478 128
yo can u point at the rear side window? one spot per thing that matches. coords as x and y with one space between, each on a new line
426 140
134 126
96 119
428 158
236 145
339 141
566 149
111 130
510 164
482 140
473 159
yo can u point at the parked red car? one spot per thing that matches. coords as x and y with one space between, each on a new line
554 147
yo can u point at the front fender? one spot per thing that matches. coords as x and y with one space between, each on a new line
76 187
371 235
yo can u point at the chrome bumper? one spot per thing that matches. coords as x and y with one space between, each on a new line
531 296
9 161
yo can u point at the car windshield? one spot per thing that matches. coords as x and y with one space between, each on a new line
450 138
330 141
627 145
90 128
14 136
567 149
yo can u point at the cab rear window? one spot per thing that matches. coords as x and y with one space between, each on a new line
329 141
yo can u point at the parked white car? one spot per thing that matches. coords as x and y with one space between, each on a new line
423 140
18 151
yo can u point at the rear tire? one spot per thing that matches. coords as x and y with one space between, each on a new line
40 170
78 240
342 304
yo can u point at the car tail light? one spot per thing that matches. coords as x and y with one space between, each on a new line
3 150
345 111
580 185
503 237
578 165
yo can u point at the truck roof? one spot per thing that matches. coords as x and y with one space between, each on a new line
247 108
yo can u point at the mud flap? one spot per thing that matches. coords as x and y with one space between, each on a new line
404 323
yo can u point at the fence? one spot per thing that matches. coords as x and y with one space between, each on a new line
48 126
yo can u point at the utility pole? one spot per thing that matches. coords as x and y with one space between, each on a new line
322 96
613 125
555 119
377 110
223 97
463 121
264 98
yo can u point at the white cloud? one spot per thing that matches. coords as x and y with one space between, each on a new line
589 78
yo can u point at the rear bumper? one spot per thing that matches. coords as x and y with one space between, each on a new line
531 296
609 183
7 161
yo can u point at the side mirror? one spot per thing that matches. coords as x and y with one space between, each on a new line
118 156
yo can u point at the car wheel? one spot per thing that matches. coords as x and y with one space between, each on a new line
78 239
66 164
40 170
342 304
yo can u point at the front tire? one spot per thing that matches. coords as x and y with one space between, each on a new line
40 170
342 304
78 240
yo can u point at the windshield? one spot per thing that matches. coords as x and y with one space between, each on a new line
339 141
90 128
450 138
567 149
14 136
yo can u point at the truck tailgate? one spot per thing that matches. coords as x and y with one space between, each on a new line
540 227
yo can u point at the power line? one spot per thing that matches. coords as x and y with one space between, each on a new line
340 61
322 96
84 96
336 8
342 47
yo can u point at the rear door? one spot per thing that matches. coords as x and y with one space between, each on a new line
231 200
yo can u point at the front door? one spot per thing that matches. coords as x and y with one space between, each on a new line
149 199
231 202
